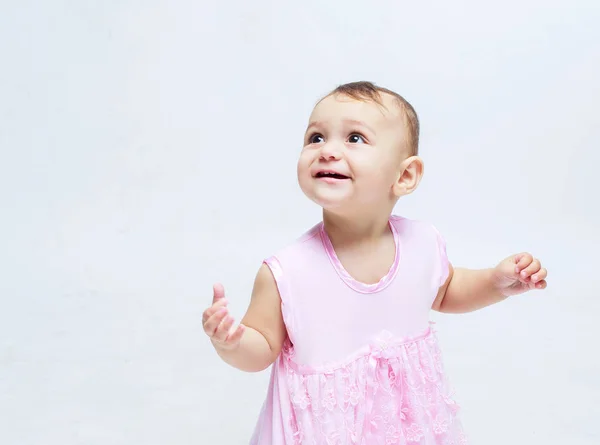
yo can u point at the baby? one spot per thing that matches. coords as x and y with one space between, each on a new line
342 313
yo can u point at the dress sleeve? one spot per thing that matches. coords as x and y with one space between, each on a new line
442 258
284 294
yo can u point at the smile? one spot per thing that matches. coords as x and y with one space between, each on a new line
330 175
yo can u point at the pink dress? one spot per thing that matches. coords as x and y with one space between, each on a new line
361 364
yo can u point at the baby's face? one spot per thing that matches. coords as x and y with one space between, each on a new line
352 153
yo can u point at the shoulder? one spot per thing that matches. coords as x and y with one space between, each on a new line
424 240
306 241
409 226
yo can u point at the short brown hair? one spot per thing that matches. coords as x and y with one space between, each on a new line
364 90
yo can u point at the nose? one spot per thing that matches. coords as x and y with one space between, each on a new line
330 152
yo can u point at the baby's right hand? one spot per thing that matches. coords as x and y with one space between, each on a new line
218 323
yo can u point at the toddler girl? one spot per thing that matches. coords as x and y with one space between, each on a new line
342 312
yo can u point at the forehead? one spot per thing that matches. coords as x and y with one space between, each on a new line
382 116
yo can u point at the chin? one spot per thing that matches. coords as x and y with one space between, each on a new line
329 200
329 203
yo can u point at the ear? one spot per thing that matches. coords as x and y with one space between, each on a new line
409 176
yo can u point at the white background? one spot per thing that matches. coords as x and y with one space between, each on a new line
148 149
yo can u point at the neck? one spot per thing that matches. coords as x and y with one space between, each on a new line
360 228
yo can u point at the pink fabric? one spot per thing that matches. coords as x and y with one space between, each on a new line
361 364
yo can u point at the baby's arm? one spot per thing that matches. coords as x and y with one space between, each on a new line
257 342
467 290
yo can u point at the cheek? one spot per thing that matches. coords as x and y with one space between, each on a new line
303 168
369 163
304 162
300 171
375 170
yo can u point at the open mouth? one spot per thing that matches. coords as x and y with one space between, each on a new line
333 175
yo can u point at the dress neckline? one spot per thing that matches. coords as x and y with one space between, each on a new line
359 286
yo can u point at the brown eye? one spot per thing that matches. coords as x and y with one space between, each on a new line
356 138
316 139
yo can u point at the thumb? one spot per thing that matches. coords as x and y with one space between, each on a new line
218 292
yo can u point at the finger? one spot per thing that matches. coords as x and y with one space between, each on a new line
541 284
534 267
213 322
539 276
237 334
218 292
522 261
214 308
223 329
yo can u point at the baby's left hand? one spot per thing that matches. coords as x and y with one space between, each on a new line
518 274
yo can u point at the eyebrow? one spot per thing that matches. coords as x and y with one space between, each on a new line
347 121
